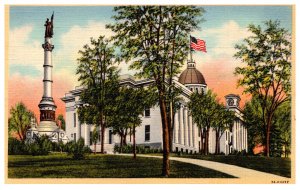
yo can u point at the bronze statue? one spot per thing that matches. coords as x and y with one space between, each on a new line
49 27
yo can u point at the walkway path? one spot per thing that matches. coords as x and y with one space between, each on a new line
236 171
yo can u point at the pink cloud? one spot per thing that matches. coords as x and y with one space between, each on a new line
30 90
221 80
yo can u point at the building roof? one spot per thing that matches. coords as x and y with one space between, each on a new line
191 76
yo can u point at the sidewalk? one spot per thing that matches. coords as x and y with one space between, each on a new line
236 171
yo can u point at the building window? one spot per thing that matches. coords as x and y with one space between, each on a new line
147 132
74 116
110 137
225 135
75 137
202 90
147 112
91 137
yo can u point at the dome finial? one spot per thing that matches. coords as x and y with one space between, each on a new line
191 64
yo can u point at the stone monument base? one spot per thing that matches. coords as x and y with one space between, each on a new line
47 128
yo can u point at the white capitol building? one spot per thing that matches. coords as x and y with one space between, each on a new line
186 135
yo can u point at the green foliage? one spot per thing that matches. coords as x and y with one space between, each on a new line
129 107
61 121
267 74
99 77
203 108
16 147
280 138
267 54
254 123
140 149
154 39
41 146
77 149
95 136
19 120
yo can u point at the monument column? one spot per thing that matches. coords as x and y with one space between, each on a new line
47 105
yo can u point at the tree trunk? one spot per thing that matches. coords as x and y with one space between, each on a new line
95 148
268 138
165 129
171 126
217 142
125 137
121 142
102 132
134 145
201 142
206 142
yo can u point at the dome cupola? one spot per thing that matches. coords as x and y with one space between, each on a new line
192 78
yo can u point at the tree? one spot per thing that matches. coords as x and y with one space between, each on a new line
154 38
60 121
267 54
130 106
20 120
223 121
95 136
282 125
284 121
99 77
280 137
203 107
254 123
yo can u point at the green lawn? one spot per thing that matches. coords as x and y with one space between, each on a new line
101 166
278 166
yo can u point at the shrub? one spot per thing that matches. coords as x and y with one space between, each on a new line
77 149
41 146
16 147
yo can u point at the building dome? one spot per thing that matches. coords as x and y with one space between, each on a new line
191 76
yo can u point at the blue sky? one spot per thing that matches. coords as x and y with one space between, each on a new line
224 19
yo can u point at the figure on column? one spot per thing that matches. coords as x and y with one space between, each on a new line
49 27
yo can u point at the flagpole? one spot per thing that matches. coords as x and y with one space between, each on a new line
191 51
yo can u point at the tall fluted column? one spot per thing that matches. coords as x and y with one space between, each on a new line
176 125
185 127
86 135
78 128
190 131
181 125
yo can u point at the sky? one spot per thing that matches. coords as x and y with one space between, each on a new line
224 27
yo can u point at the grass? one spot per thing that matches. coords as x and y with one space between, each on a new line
277 166
101 166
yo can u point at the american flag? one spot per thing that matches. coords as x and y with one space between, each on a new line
197 44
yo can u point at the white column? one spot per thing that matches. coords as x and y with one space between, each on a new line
185 128
176 126
195 135
246 140
190 131
86 135
244 137
181 125
47 71
78 135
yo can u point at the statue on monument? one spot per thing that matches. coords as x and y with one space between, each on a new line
49 27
